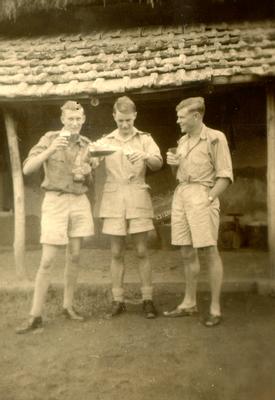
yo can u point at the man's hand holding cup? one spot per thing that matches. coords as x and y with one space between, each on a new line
172 157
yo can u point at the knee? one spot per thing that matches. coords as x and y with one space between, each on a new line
189 255
142 254
210 252
117 254
74 257
45 266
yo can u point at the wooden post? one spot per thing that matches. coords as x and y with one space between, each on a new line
271 176
18 195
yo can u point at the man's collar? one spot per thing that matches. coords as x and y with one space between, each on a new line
202 135
115 134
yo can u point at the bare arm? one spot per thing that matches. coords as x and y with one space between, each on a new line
153 162
33 163
219 187
151 154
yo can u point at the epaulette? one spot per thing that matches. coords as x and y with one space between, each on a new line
85 139
144 133
214 141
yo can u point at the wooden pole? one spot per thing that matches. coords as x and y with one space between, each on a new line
18 195
271 176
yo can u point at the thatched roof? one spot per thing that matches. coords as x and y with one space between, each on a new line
135 59
11 9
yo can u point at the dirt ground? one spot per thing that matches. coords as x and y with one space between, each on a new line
131 358
167 266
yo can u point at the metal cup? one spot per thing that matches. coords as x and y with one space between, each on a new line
65 134
172 150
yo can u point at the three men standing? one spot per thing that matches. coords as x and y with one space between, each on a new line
204 170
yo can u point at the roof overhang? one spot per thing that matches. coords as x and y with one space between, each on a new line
136 60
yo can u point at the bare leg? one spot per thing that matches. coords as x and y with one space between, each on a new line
42 280
215 266
71 271
145 269
117 266
192 269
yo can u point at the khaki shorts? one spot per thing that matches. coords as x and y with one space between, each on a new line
194 221
123 226
64 216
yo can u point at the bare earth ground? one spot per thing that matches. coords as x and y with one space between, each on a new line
131 358
167 266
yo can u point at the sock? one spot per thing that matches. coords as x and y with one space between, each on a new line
147 292
118 294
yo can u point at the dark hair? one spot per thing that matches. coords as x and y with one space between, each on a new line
192 104
124 105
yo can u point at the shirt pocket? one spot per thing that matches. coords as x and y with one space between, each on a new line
199 164
57 157
110 204
110 187
143 198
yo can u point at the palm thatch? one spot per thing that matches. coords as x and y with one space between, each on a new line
11 9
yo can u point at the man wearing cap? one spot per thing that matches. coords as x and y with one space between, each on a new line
204 170
66 213
126 205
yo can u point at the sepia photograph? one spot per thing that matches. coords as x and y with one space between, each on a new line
137 199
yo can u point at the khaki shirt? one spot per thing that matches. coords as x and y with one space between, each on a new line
125 192
59 166
205 160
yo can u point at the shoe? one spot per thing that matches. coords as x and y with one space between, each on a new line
32 324
118 307
149 309
181 312
212 320
72 314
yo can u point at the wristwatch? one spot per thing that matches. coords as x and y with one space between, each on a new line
210 198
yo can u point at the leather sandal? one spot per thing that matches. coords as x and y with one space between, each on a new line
181 312
72 314
212 320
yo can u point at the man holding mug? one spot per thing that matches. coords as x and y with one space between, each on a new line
203 167
66 212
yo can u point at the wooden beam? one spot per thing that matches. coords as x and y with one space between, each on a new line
271 175
18 193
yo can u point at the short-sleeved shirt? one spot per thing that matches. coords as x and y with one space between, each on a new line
125 192
59 166
206 159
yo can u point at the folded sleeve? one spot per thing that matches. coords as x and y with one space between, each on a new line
222 158
37 149
152 149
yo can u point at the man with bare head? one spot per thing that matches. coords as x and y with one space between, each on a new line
66 213
126 205
204 170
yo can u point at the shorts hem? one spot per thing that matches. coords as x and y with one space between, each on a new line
54 243
80 235
200 245
127 233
